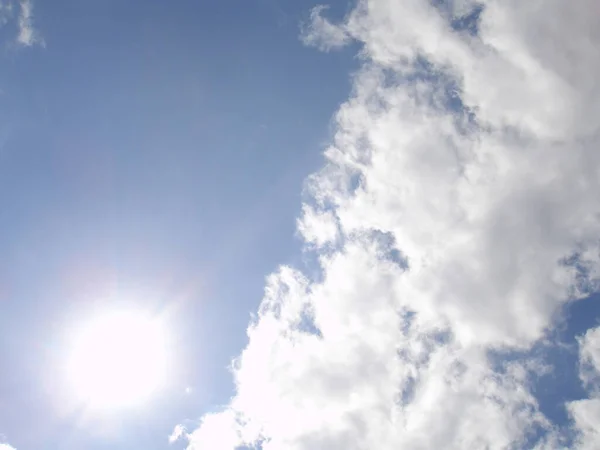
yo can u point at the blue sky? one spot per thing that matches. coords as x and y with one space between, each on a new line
158 150
387 214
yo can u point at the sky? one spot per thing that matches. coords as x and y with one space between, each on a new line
366 224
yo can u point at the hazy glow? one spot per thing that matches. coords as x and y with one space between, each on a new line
117 360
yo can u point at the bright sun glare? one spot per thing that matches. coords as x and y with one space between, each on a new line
117 360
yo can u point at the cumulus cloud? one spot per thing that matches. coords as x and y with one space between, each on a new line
586 413
178 433
456 214
318 226
6 447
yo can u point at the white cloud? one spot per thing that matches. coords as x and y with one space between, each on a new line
217 432
322 34
6 12
178 433
27 35
6 447
589 357
317 226
485 202
586 413
20 12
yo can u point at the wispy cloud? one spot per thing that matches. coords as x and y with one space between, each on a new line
6 12
27 35
320 33
457 212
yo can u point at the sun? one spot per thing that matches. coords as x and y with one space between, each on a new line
117 360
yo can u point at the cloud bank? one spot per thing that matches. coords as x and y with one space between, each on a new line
456 214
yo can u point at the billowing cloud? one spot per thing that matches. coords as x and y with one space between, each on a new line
586 413
456 214
178 433
6 447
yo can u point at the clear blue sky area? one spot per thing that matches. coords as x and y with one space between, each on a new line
153 149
